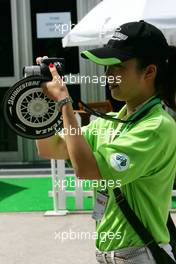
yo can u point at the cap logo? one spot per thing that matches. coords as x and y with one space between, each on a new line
119 36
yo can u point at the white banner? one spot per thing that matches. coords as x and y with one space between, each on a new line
53 25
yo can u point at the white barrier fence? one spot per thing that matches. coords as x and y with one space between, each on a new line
59 192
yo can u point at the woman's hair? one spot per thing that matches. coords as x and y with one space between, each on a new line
165 81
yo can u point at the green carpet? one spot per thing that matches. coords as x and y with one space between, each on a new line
174 202
31 194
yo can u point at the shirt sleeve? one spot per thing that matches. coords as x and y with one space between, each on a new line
133 155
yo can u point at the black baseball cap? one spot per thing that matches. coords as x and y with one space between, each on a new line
131 40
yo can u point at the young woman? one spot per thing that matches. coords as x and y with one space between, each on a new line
140 154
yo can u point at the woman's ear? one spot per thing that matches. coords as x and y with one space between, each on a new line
150 72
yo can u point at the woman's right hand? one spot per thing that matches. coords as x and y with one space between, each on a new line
55 89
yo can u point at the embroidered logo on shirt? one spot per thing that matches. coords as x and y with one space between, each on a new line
120 161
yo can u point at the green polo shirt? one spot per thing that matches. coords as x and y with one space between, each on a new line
143 158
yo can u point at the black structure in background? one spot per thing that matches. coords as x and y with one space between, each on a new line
6 46
52 47
8 139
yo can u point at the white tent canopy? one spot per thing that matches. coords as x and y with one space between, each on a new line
97 27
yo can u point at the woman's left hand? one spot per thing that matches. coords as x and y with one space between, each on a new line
55 89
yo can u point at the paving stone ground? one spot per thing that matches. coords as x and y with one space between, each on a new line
32 238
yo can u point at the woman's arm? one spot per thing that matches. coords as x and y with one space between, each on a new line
73 147
52 148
